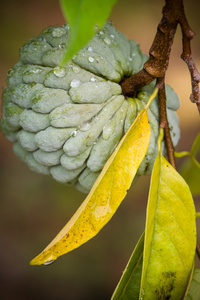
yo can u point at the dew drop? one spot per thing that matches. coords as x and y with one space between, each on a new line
96 141
133 54
66 26
59 72
93 79
36 71
74 133
107 41
10 72
62 45
85 127
101 32
130 58
47 263
107 132
58 32
75 83
90 49
112 36
75 69
91 59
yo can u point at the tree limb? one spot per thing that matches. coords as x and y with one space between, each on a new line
157 64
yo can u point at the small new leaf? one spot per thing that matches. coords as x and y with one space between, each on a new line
170 235
107 193
129 284
83 16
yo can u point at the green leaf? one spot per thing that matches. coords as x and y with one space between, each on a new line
194 289
83 16
129 284
191 173
170 235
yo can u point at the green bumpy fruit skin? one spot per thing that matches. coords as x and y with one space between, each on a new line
66 121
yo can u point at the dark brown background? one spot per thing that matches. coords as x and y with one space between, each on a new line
34 207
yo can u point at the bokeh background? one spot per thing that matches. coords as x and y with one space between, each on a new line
33 208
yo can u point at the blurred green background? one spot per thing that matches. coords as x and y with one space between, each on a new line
35 207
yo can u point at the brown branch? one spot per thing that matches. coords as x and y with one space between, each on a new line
158 61
186 55
157 64
164 121
132 84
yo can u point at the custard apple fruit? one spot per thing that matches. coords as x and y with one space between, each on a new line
66 121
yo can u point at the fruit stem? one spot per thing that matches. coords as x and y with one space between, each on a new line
164 120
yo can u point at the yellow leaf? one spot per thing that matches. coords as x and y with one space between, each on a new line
170 235
107 193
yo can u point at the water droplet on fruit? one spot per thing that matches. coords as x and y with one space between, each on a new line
107 41
59 72
91 59
10 72
96 141
75 69
74 133
36 71
85 127
75 83
62 45
48 262
58 32
107 132
66 26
